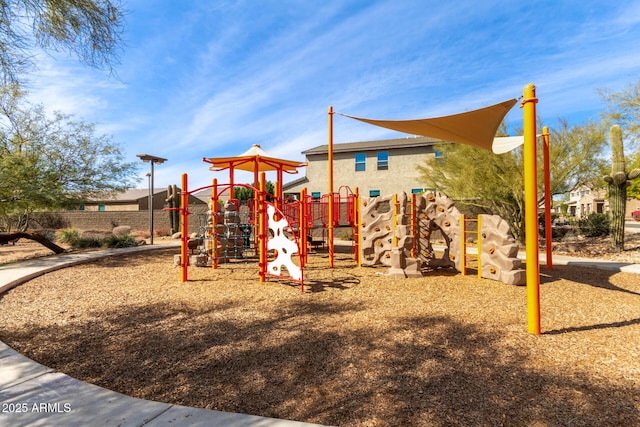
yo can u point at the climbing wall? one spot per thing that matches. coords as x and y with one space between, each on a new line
499 252
436 212
283 245
376 230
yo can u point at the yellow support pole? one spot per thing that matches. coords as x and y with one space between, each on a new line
184 245
463 244
396 212
357 219
548 232
479 246
413 225
330 210
529 101
262 238
214 225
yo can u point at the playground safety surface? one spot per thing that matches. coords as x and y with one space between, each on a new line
357 348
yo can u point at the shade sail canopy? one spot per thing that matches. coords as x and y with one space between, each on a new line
477 127
503 144
255 159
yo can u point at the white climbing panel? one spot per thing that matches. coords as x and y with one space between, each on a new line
285 248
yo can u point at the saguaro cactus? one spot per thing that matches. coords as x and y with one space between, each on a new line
173 201
618 182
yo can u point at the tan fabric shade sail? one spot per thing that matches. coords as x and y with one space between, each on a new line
255 159
477 127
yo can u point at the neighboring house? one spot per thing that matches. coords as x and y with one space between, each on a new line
375 167
585 200
132 200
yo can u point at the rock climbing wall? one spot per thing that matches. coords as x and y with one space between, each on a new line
403 264
376 230
499 252
436 212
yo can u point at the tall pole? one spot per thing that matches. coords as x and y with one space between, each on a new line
184 238
330 210
151 206
152 160
548 231
531 209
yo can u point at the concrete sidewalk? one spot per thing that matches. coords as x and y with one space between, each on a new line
34 395
624 267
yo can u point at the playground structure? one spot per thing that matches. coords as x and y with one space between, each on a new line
393 231
276 233
397 231
476 128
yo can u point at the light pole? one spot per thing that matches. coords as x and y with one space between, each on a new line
153 160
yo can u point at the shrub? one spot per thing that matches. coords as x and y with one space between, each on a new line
48 234
141 234
121 230
594 225
120 241
69 235
160 232
87 242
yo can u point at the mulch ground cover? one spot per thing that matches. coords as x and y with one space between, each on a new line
356 349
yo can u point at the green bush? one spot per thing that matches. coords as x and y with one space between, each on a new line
594 225
120 241
69 235
87 242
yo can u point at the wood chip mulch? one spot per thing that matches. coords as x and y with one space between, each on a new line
356 349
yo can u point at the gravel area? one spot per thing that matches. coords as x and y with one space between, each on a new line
356 349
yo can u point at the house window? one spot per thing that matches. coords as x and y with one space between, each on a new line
361 162
102 208
315 195
374 193
81 207
383 160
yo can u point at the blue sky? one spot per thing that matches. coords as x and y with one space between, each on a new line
207 78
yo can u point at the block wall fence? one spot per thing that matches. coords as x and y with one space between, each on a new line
137 220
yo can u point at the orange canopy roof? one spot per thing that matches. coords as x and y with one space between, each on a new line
254 159
477 127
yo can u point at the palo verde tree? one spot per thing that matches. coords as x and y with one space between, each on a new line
494 183
633 190
245 193
52 162
623 109
91 29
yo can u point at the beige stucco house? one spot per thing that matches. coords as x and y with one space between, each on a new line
374 167
585 200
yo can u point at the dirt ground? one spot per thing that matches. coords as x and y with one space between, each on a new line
356 349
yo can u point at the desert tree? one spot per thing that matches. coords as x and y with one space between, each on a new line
90 29
494 183
50 162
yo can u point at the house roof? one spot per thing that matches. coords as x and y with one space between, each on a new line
409 142
291 184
